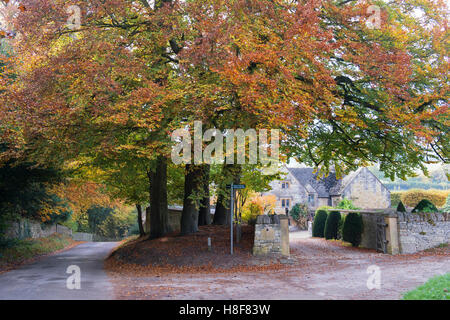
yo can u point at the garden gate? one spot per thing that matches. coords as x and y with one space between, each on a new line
381 235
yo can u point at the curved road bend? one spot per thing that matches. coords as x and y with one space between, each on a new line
46 279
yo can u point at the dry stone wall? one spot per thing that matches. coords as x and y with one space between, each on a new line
418 232
29 229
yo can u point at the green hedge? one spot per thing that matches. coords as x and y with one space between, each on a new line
401 207
319 223
353 228
332 225
411 198
425 206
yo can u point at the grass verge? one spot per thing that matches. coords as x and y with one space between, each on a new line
17 252
437 288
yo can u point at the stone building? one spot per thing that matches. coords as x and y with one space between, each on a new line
302 185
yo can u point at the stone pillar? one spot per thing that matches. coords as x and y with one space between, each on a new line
284 224
271 235
392 235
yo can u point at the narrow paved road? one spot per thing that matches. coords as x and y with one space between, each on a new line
47 278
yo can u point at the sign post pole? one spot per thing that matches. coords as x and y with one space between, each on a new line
233 187
231 218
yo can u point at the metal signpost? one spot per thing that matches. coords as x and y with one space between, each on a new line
233 187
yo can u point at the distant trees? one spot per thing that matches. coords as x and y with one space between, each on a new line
26 191
437 180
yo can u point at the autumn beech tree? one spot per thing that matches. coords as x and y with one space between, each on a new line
97 91
392 90
341 84
343 92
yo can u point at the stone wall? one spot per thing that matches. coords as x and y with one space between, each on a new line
271 235
174 219
25 228
406 232
418 232
83 236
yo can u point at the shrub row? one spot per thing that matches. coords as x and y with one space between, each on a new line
320 219
411 198
333 226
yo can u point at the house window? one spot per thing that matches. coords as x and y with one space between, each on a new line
311 199
285 185
285 203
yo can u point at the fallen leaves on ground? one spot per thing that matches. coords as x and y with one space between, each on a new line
189 254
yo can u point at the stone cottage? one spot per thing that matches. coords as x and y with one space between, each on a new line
302 185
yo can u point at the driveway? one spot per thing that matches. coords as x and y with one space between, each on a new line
46 279
322 270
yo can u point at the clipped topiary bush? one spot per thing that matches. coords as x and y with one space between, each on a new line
341 225
425 206
332 225
352 230
319 223
401 207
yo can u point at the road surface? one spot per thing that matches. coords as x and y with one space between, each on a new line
323 270
46 279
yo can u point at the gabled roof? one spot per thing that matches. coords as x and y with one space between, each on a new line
324 187
349 178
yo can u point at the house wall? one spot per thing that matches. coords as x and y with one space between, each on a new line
335 200
296 193
321 202
367 192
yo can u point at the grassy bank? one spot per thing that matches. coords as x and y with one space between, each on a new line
437 288
16 252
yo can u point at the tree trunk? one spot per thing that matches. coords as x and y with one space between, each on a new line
159 216
222 213
141 226
147 220
204 215
193 186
